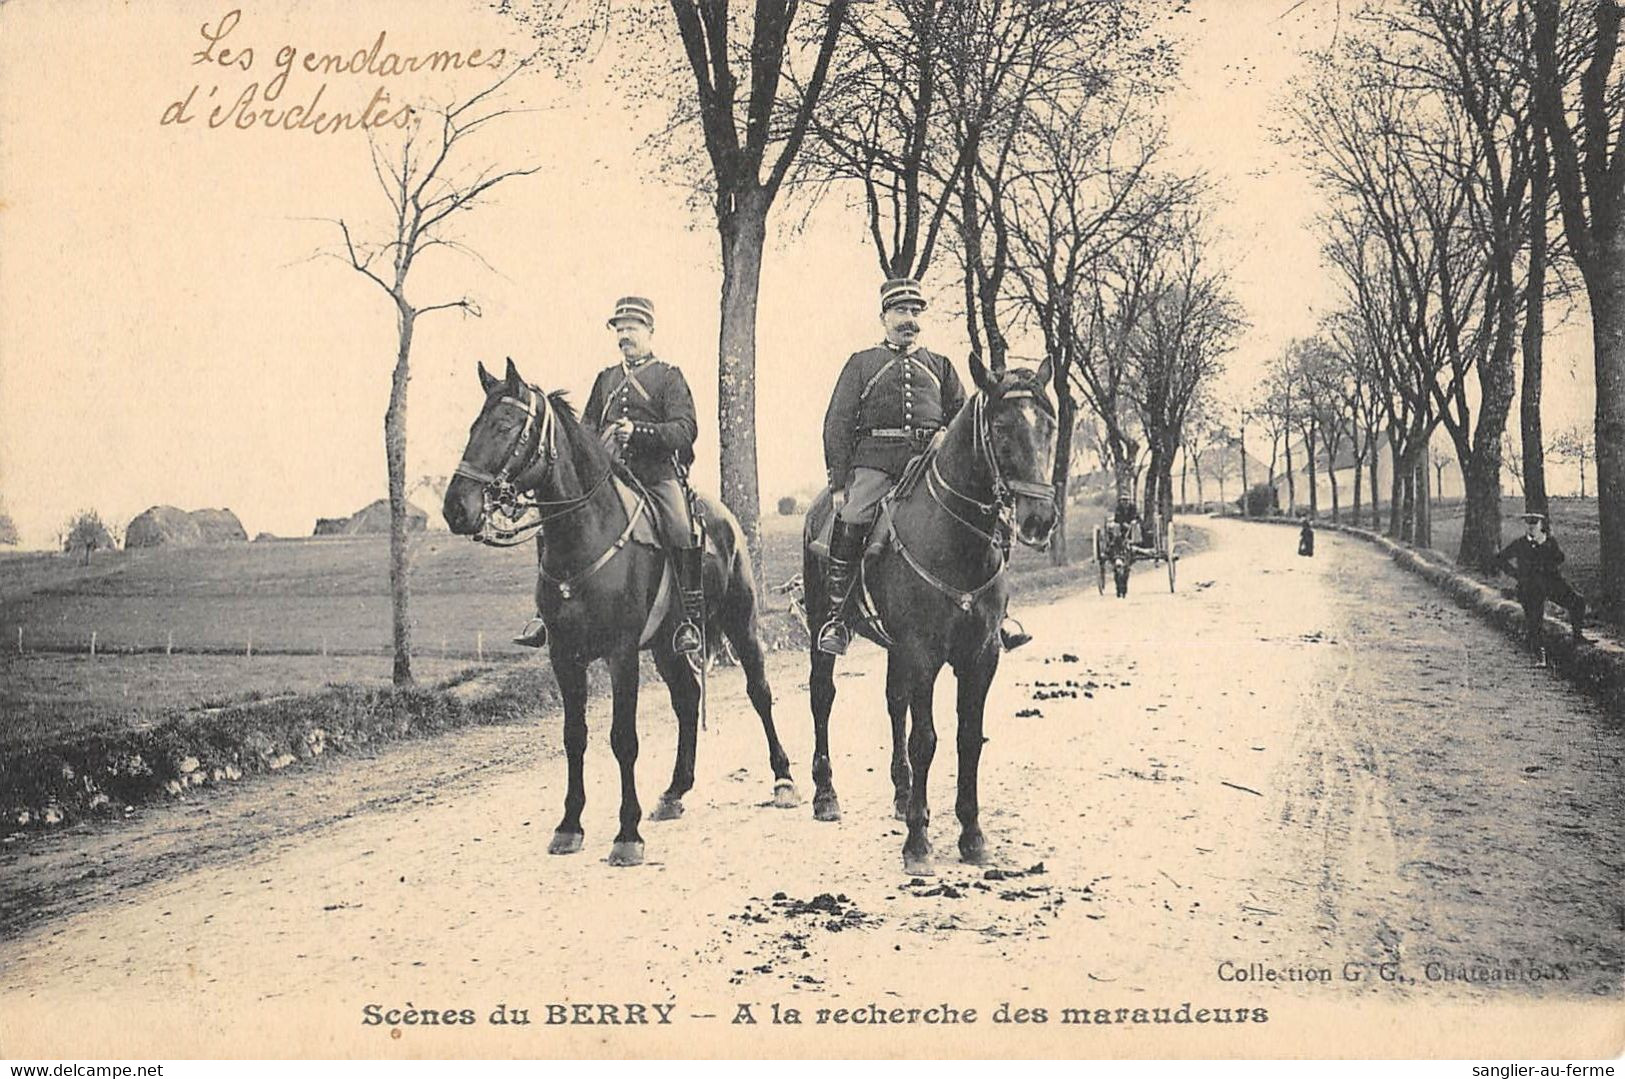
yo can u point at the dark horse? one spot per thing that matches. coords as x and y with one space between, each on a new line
939 589
597 586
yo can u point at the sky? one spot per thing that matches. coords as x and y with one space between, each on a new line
172 332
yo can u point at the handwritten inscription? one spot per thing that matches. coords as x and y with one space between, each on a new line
224 54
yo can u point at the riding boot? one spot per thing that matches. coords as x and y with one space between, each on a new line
689 639
534 635
845 552
1012 634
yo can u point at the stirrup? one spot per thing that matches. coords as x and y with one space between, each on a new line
686 639
534 635
1012 639
834 637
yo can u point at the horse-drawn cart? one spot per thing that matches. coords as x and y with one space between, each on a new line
1118 547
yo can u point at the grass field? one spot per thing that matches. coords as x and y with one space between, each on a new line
247 621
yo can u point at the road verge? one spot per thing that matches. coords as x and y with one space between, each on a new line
1597 666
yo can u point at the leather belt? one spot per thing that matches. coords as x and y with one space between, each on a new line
901 432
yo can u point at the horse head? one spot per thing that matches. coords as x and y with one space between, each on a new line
523 441
1019 428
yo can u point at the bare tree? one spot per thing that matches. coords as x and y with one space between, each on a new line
1083 190
1581 118
1578 445
1021 62
430 184
1190 325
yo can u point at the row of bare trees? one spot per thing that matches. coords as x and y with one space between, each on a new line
1463 148
1015 138
1018 138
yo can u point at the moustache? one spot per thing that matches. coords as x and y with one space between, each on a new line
908 327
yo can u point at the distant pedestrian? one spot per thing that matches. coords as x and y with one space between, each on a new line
1533 559
1306 540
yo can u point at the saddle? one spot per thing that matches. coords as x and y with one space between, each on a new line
645 532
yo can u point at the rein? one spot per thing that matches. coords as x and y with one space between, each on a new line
512 514
1001 509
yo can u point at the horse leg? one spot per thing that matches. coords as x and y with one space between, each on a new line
623 739
922 747
898 692
821 687
739 623
974 678
571 675
684 687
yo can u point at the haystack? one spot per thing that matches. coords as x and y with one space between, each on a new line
374 519
220 526
162 526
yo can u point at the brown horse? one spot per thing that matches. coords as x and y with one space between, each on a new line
528 457
938 586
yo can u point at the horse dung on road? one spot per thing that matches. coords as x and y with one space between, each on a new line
531 468
932 589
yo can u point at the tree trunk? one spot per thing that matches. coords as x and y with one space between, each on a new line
1376 502
1149 494
1608 339
1314 487
1356 510
1396 493
1331 480
1407 508
1423 534
1244 487
743 233
395 458
1291 484
1184 472
1066 414
1534 331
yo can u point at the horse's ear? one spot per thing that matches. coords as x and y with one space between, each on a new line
487 379
513 374
978 372
1046 371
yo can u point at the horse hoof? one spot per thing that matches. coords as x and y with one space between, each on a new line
565 843
973 853
629 852
826 808
667 809
784 795
919 865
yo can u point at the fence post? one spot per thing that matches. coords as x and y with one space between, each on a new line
248 651
479 645
169 644
93 642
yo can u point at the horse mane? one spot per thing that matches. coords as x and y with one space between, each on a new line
560 400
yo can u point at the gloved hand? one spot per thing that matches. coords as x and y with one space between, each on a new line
838 497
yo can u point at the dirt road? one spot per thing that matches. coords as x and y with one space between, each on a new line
1308 795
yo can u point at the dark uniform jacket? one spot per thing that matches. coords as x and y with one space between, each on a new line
885 408
655 397
1533 564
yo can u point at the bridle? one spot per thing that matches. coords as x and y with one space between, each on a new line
511 513
1001 510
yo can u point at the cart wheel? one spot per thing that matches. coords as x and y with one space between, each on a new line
1172 553
1100 562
